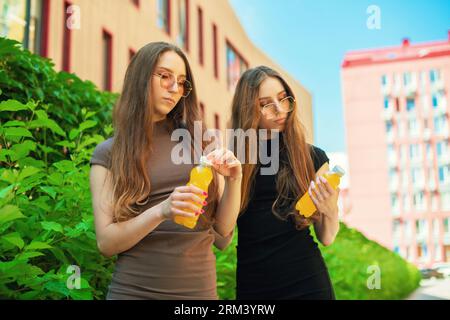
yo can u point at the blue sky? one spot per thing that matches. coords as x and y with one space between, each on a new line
309 40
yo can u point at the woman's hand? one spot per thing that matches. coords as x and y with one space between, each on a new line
325 197
182 200
225 163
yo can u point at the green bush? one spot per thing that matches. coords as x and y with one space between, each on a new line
350 259
46 221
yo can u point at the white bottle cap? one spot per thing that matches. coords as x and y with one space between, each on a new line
205 162
338 170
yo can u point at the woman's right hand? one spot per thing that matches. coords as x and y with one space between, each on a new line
183 200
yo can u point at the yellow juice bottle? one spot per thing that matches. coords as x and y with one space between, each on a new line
305 206
201 177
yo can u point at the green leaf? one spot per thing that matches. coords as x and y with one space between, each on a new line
67 144
23 149
36 245
17 132
49 190
10 213
56 179
51 225
87 124
6 191
29 254
73 134
12 105
27 172
14 123
47 123
15 239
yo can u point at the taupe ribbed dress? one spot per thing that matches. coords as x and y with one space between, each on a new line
171 262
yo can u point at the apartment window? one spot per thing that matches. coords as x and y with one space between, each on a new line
200 35
407 79
434 101
107 60
445 200
386 103
419 200
447 225
396 228
183 16
434 75
412 127
67 39
414 151
163 10
236 66
45 24
434 203
444 173
437 252
217 121
383 80
215 51
440 123
436 228
410 104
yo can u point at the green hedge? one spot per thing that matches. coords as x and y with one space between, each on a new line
50 123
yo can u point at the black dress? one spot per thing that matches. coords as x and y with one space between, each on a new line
274 259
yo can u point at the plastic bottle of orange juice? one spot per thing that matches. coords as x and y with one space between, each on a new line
201 177
305 206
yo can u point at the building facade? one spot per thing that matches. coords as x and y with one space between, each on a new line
396 110
96 39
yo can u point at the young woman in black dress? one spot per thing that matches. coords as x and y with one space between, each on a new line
277 257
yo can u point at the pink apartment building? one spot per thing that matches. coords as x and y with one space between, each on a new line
396 110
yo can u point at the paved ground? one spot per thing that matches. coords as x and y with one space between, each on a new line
432 290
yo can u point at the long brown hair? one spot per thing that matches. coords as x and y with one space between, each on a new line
133 127
293 177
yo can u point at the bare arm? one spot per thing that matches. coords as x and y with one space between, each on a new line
116 237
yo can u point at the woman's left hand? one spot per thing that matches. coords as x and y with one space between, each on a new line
225 163
325 197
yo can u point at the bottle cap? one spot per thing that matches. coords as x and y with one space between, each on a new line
205 162
338 170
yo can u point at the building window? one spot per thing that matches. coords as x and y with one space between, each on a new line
183 16
215 52
407 78
202 111
200 35
131 53
383 80
386 103
444 173
217 121
107 61
447 225
136 3
434 101
236 66
435 75
410 104
163 10
67 39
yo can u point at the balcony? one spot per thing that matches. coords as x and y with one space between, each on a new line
392 160
419 184
432 185
437 85
393 185
387 114
411 89
441 108
444 158
386 90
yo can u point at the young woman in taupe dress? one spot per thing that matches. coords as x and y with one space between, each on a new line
137 189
